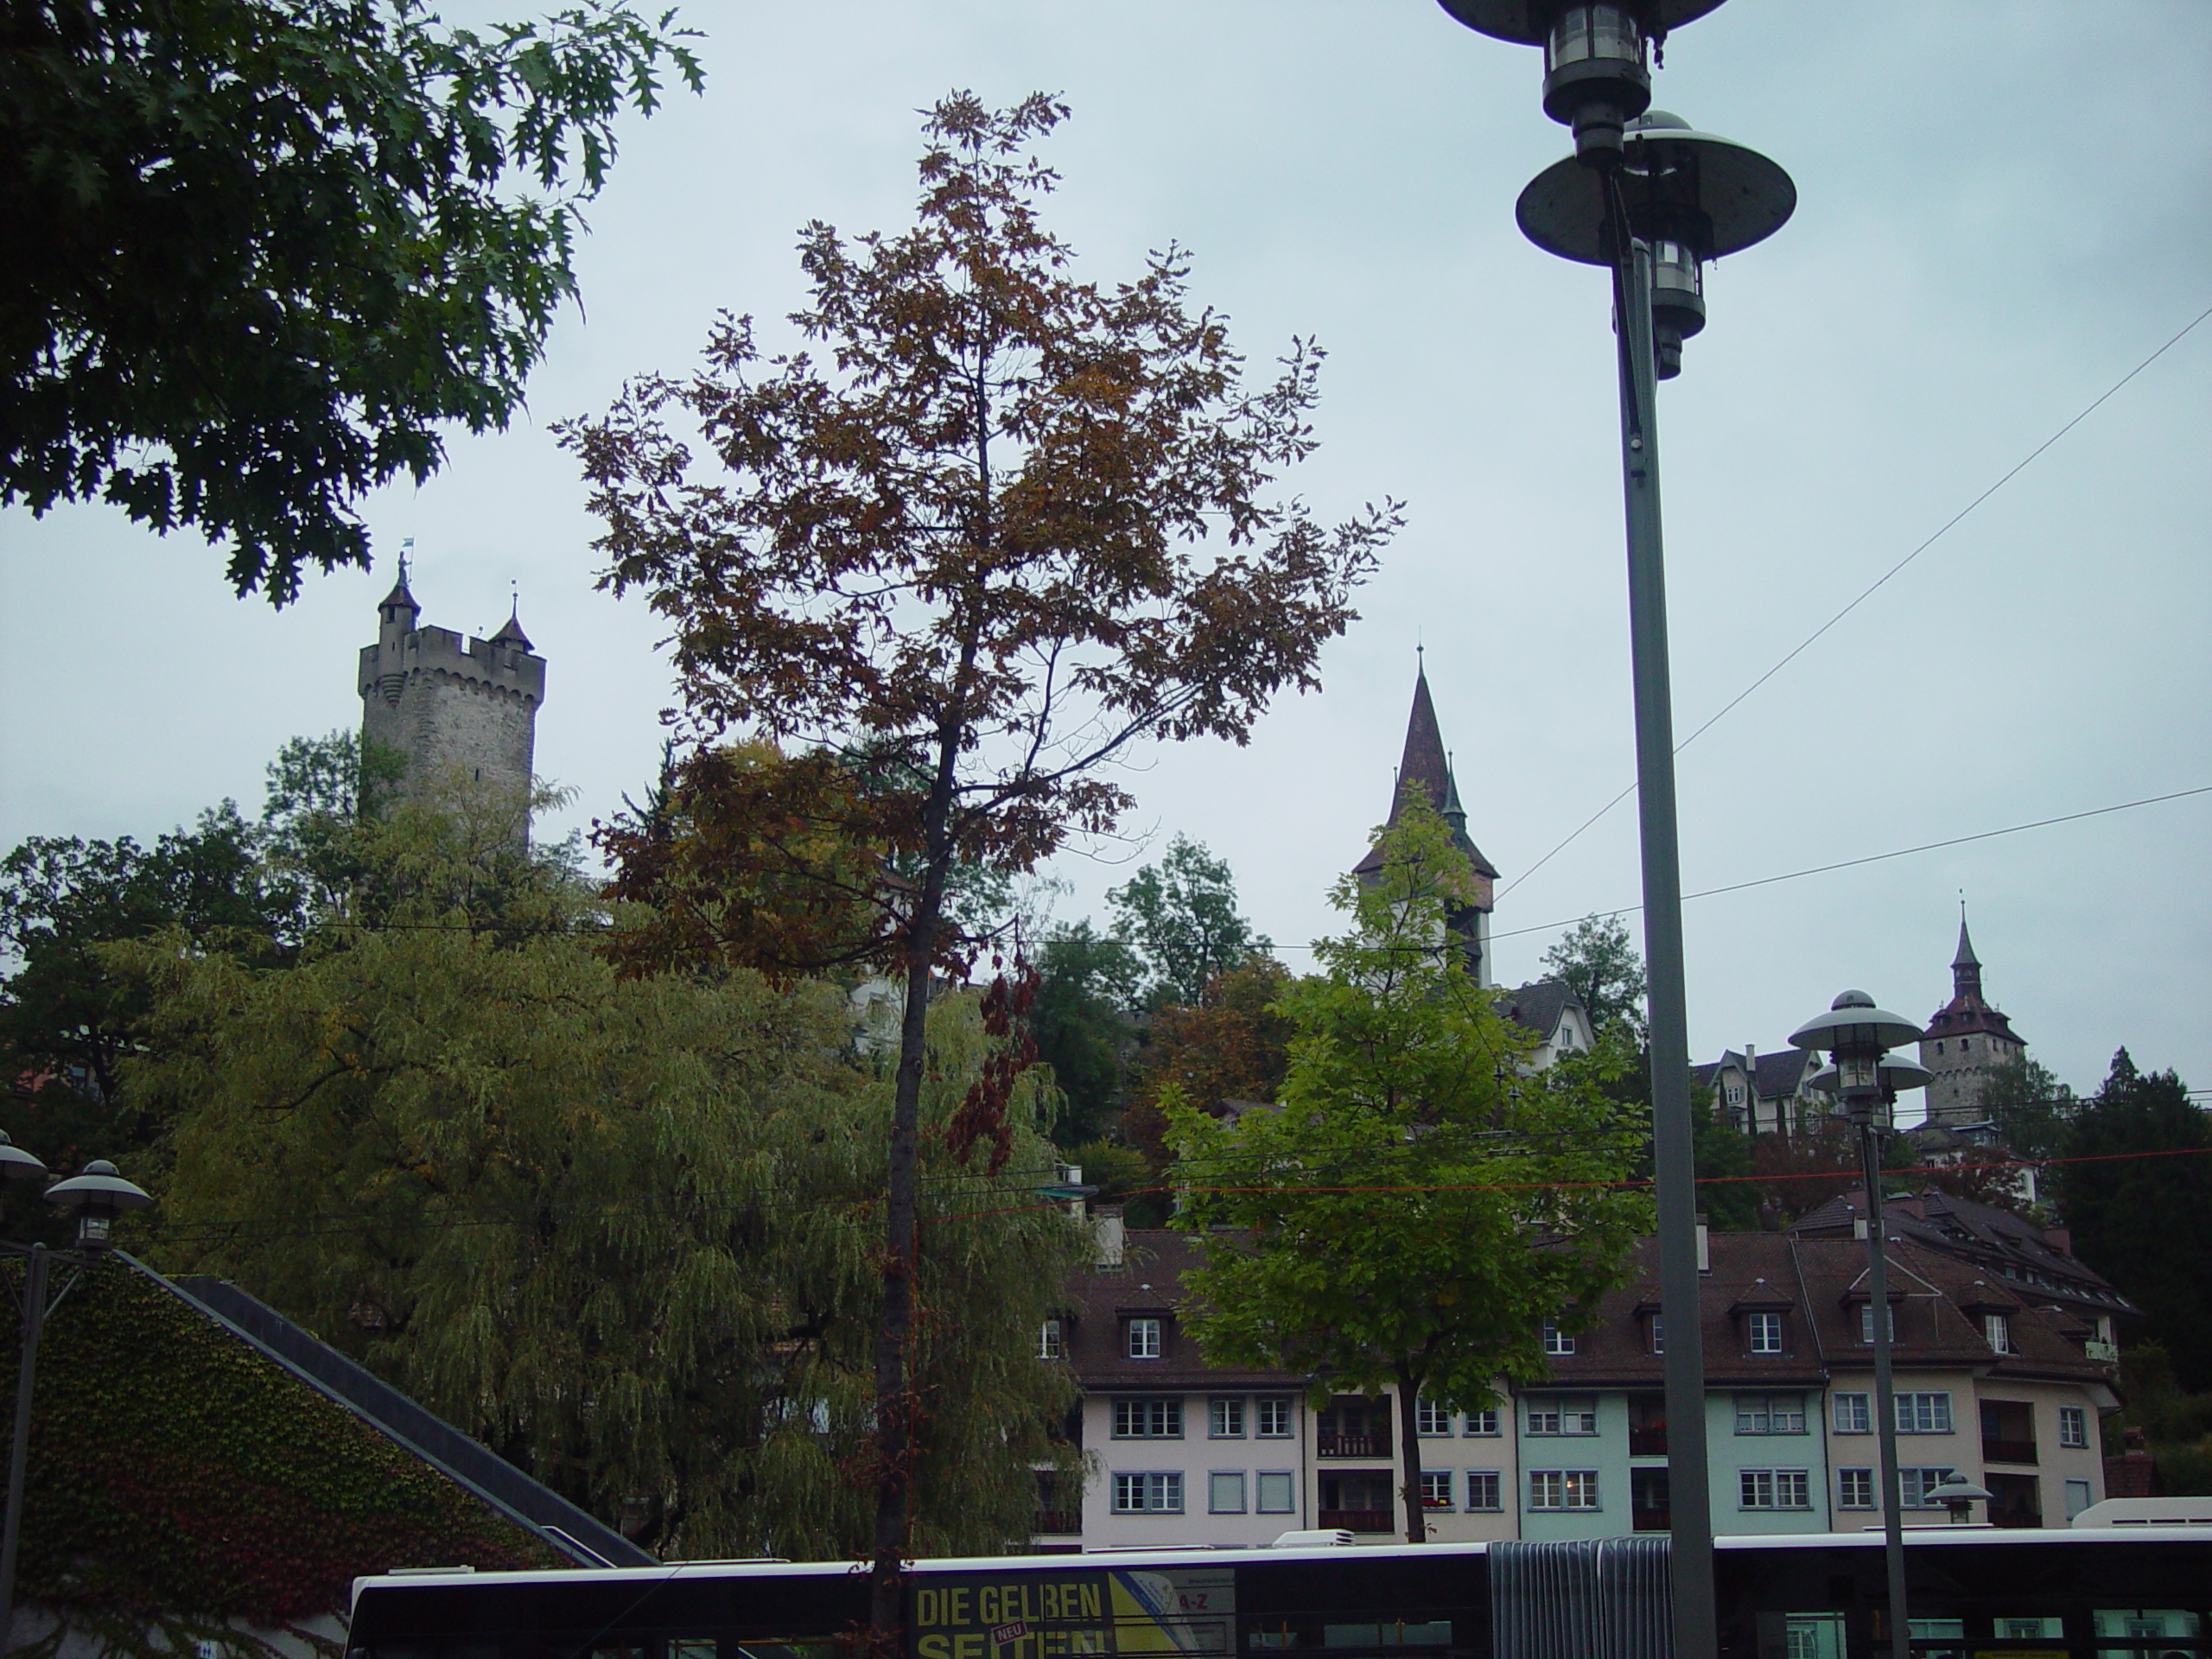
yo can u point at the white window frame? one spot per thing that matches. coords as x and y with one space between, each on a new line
1146 1338
1485 1492
1560 1415
1227 1484
1924 1412
1555 1489
1262 1479
1557 1341
1431 1420
1867 1324
1436 1489
1051 1340
1166 1409
1226 1417
1134 1491
1763 1333
1854 1414
1759 1413
1483 1425
2074 1428
1997 1331
1854 1489
1274 1418
1658 1334
1915 1483
1774 1489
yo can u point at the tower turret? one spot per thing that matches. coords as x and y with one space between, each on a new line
1965 1040
1426 762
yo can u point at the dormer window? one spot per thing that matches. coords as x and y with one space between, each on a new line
1051 1340
1866 1323
1762 1333
1144 1338
1658 1332
1557 1341
1999 1332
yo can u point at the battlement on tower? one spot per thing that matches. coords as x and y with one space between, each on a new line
488 663
447 701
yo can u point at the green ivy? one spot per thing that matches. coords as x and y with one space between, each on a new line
177 1472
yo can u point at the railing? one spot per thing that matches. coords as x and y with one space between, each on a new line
1995 1451
1650 1520
1359 1520
1351 1446
2104 1353
1646 1439
1056 1521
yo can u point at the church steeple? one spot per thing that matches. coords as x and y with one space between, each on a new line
1965 967
1965 1040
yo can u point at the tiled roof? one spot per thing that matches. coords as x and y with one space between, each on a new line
1149 1281
1540 1005
1425 762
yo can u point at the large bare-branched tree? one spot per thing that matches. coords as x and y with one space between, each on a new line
1008 524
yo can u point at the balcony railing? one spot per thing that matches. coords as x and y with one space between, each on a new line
2104 1353
1650 1520
1359 1520
1056 1521
1996 1451
1646 1439
1351 1446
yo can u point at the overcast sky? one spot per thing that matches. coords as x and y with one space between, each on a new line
2004 208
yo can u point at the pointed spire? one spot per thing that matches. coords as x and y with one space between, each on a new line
1425 762
512 633
1965 959
399 598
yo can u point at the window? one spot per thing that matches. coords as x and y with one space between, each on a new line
1483 1490
1052 1342
1658 1334
1483 1423
1553 1415
1436 1489
1854 1414
2078 1498
1148 1420
1915 1485
1277 1491
1762 1333
1272 1413
1144 1338
1866 1323
1769 1413
1148 1494
2072 1426
1557 1341
1775 1489
1226 1418
1999 1332
1923 1413
1854 1489
1562 1488
1431 1419
1225 1492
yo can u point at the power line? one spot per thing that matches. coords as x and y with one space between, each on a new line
1868 592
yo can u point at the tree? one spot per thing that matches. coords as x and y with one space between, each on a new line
2137 1192
2030 1107
281 243
1418 1207
1087 982
1013 525
1601 967
623 1230
1181 915
1232 1044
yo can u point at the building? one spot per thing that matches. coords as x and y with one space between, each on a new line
1549 1010
1425 763
1765 1094
1965 1040
451 705
1999 1377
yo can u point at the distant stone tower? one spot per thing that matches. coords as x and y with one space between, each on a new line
1965 1039
1425 762
446 702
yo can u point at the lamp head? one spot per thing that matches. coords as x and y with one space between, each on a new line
97 1197
15 1164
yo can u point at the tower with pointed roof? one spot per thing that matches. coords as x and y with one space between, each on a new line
447 703
1425 763
1965 1040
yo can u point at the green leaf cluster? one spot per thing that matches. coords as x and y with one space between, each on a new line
1419 1204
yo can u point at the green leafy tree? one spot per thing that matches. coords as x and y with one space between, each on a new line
2137 1192
1418 1207
1601 966
1009 526
1181 916
282 242
623 1230
1087 982
2032 1111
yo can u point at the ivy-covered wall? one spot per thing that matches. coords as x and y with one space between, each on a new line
176 1470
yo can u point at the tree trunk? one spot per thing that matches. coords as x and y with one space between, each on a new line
1409 1458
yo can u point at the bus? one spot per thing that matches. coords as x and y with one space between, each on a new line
2133 1593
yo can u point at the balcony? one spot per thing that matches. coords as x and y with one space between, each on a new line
1650 1520
1056 1521
1997 1451
1358 1519
1647 1440
2104 1353
1352 1445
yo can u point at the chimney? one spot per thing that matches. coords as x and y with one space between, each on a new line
1107 1236
2059 1238
1703 1245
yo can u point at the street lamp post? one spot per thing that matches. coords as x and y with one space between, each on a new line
96 1198
1651 199
1866 1079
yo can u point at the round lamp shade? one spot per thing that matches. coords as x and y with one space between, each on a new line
100 1190
1718 196
1853 1021
1527 22
15 1164
1898 1075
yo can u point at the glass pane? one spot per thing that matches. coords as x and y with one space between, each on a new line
1807 1635
2148 1624
2045 1628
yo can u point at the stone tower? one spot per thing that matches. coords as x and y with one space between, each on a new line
1425 763
447 702
1965 1039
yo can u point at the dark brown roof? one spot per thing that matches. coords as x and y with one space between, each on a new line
1424 762
1539 1005
1148 1281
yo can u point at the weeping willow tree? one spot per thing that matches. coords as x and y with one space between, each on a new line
624 1230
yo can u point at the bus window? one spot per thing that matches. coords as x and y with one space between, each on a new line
1927 1632
1801 1635
2044 1628
2150 1630
1397 1633
691 1647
